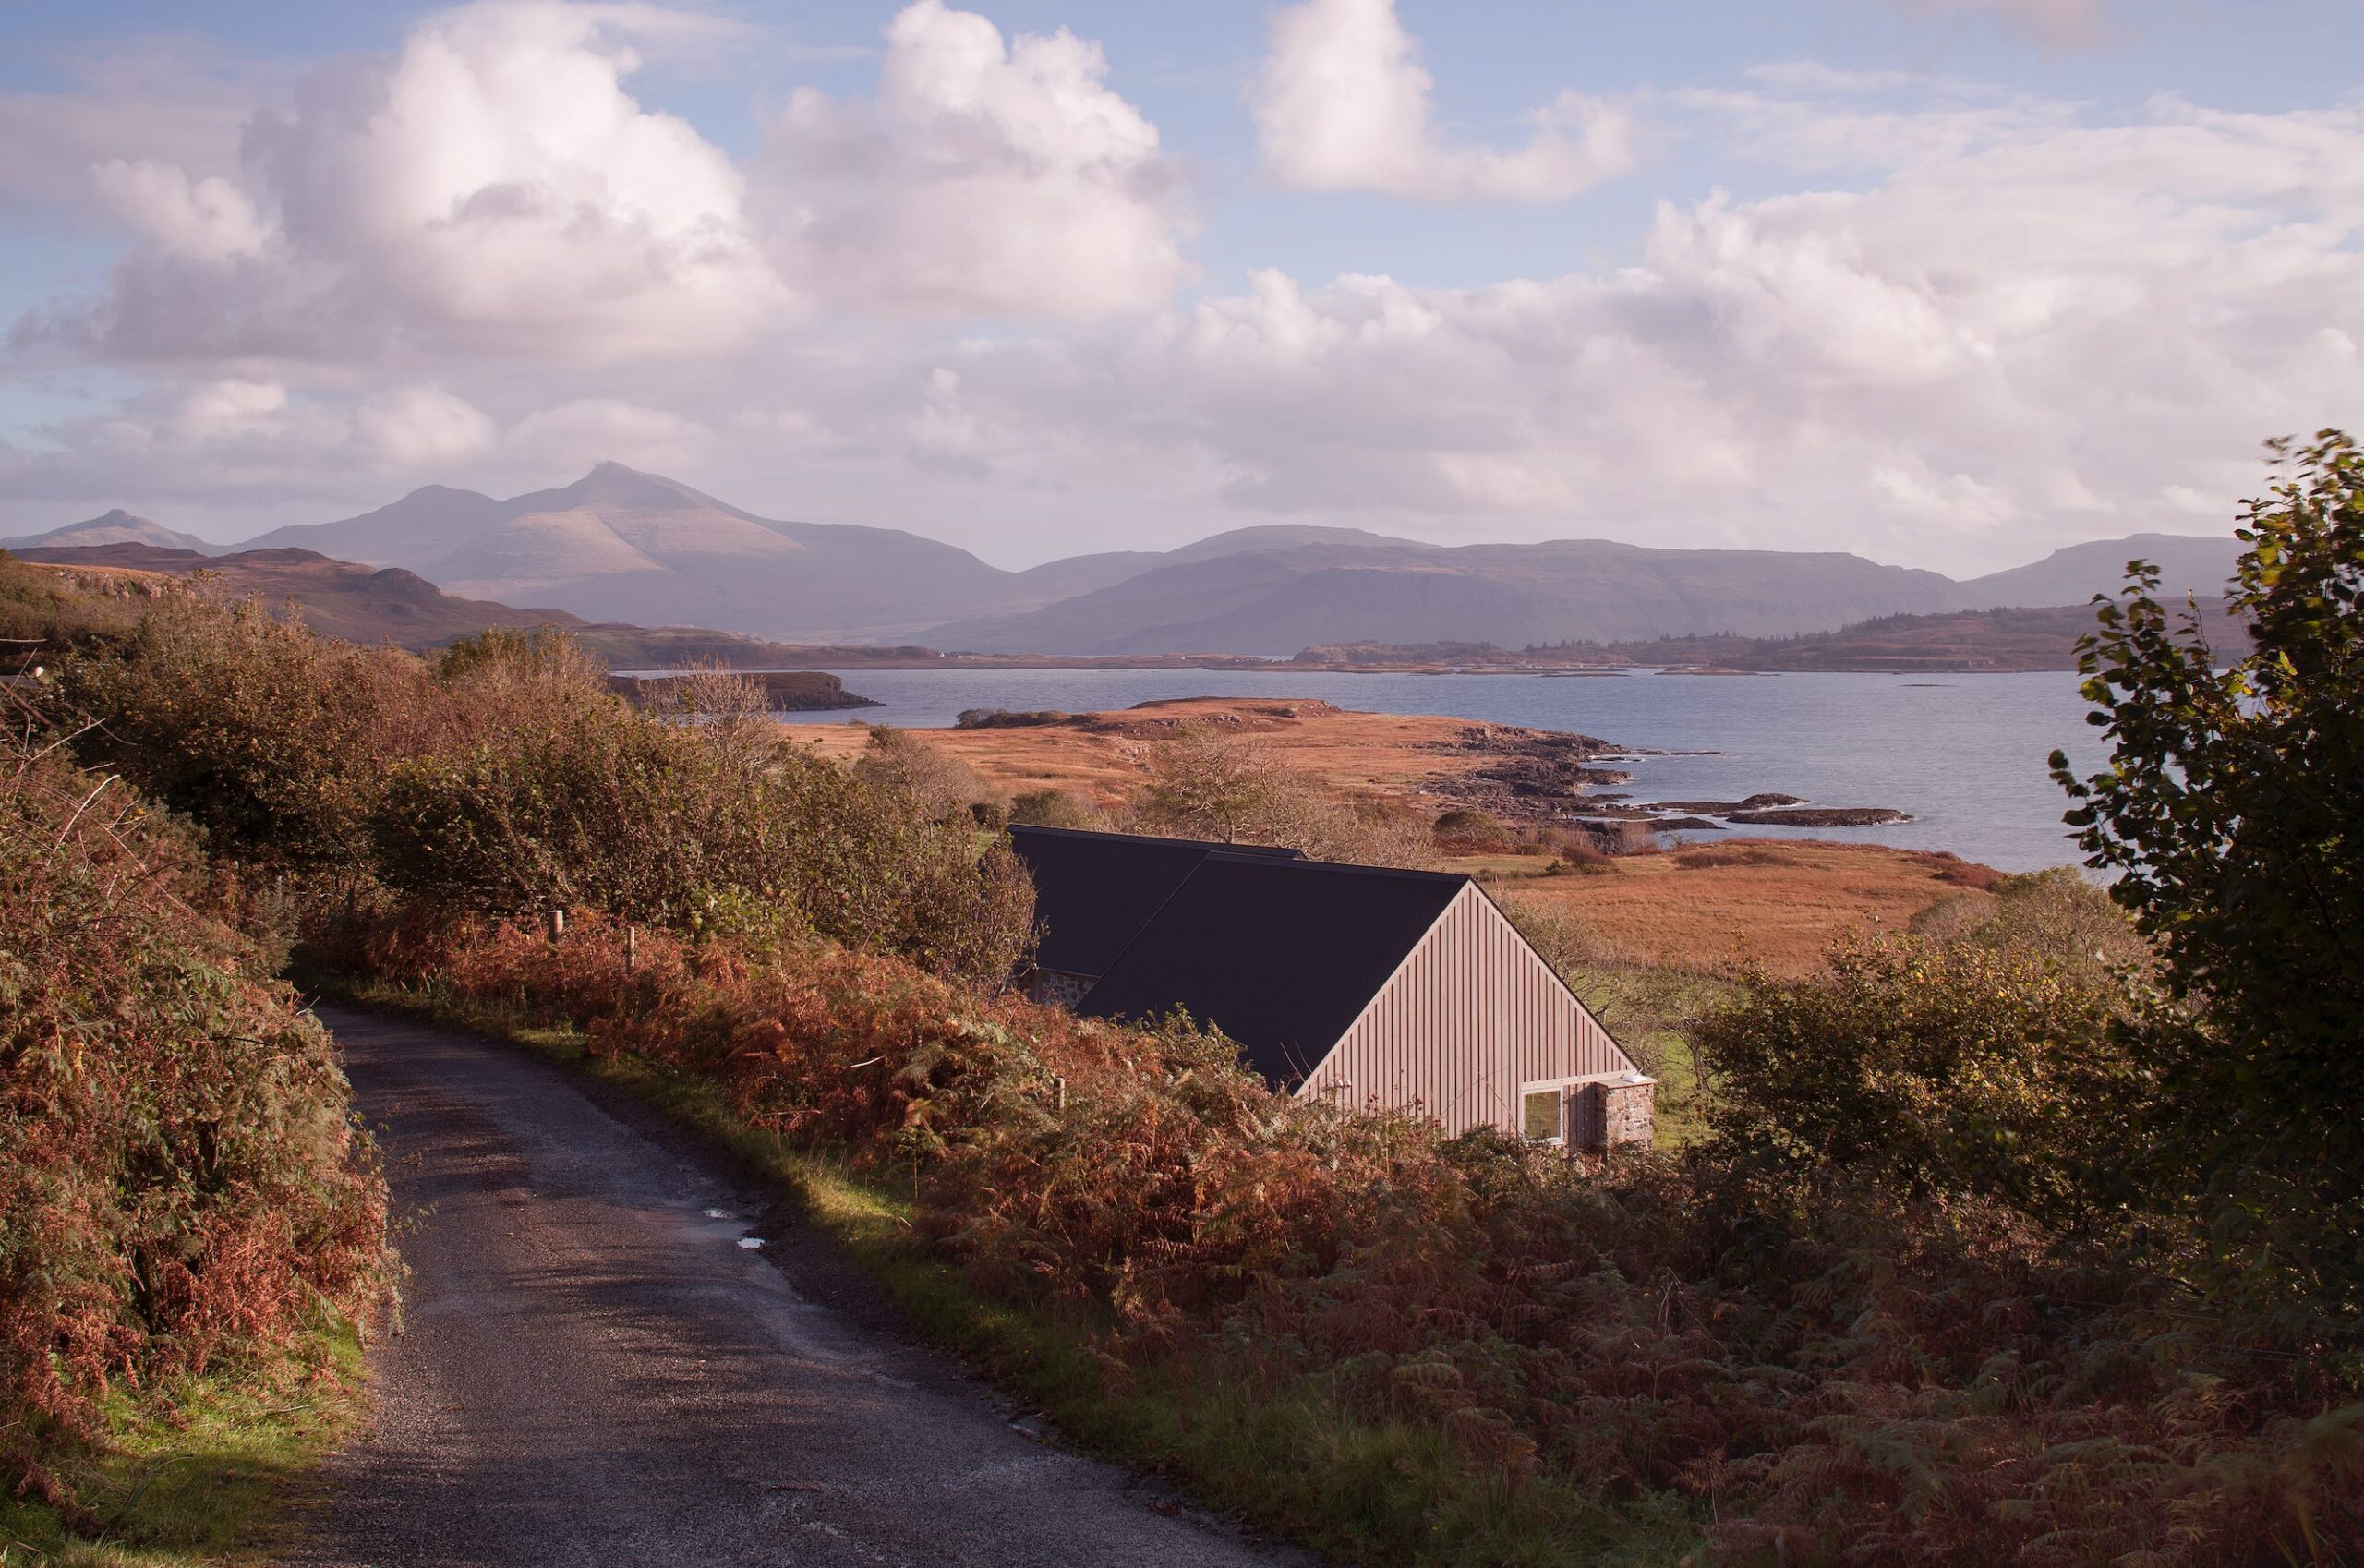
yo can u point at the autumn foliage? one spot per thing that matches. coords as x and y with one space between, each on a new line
1867 1378
180 1184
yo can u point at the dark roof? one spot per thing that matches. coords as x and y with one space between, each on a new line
1094 891
1282 956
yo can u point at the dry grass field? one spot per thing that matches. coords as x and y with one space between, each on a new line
1780 903
1100 756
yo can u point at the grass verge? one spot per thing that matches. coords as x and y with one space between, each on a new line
202 1469
1272 1448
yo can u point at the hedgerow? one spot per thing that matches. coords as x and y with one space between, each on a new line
181 1189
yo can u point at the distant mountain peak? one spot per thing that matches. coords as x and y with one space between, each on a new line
114 526
610 483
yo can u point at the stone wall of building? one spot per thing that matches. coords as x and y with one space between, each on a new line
1058 988
1613 1114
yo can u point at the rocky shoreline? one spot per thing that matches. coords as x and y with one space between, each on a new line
1543 775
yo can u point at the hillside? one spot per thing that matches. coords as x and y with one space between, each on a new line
1275 601
342 598
116 527
1989 642
374 605
2188 563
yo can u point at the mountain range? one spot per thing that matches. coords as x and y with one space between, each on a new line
619 545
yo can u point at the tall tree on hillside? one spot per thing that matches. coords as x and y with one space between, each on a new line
2232 812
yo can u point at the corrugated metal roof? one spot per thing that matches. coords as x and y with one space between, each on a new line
1282 955
1094 891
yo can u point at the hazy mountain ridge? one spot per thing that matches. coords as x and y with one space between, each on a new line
116 527
2188 563
1277 602
621 546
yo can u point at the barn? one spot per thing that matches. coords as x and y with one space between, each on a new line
1359 984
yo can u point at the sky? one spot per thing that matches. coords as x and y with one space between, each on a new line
1944 283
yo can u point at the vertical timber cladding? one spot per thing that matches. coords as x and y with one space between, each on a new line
1473 1013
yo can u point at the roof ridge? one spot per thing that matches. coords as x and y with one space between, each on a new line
1213 846
1355 866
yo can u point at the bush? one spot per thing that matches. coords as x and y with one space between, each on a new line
602 808
180 1184
270 738
1948 1071
1468 831
1716 856
1232 790
1003 718
1579 855
901 762
1057 808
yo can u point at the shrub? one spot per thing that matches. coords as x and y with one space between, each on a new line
1579 855
602 808
1232 790
1057 808
1003 718
1928 1070
180 1184
1715 856
901 762
269 736
1467 830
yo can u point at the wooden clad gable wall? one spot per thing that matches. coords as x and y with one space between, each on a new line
1472 1014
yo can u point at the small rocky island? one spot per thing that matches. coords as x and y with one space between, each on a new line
785 691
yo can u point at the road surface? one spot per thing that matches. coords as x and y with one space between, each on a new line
594 1369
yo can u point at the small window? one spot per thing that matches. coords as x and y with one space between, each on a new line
1542 1112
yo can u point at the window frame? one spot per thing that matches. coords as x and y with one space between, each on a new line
1558 1088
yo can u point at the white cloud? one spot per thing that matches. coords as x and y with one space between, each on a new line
984 178
406 429
209 218
2037 324
492 188
1342 103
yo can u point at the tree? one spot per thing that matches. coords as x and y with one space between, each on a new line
2230 812
1221 787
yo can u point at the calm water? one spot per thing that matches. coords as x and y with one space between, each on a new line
1964 755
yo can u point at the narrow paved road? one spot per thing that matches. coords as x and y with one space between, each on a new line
595 1370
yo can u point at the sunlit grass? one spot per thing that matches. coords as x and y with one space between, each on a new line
199 1469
